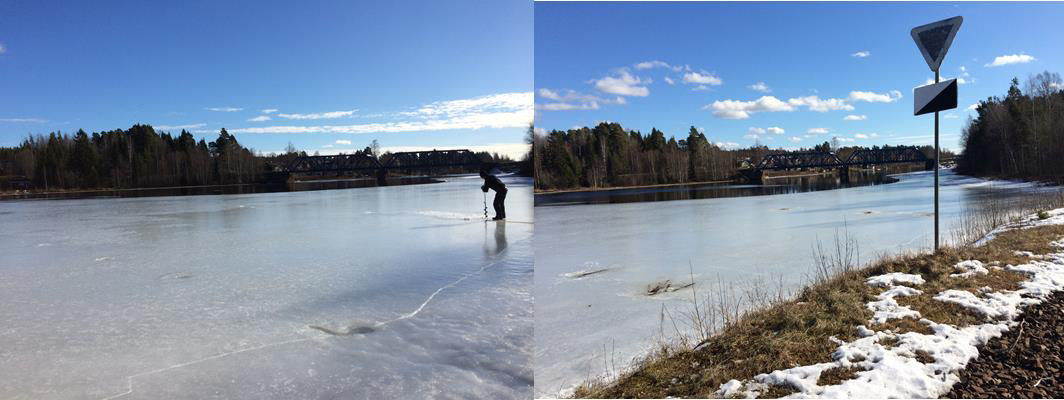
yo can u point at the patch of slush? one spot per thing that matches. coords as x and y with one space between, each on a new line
894 371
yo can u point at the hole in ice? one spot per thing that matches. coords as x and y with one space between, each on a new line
666 286
360 329
174 275
584 272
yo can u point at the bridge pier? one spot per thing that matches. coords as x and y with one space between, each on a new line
753 175
382 177
844 174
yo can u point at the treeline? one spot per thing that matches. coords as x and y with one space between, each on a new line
1020 135
609 156
140 157
137 157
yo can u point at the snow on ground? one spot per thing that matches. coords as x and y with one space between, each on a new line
886 308
1056 217
894 371
893 278
969 268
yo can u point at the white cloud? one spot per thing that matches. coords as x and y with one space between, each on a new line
669 81
3 49
842 139
178 127
1056 85
973 107
853 117
506 110
567 106
795 139
539 131
1010 59
728 145
817 131
760 87
820 105
623 84
324 115
342 141
573 100
701 78
861 54
736 109
873 97
651 64
775 130
328 146
224 109
23 120
260 118
269 111
860 136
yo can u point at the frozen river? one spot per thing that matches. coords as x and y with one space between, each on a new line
582 322
391 292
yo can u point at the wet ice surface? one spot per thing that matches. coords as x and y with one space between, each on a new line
214 296
730 239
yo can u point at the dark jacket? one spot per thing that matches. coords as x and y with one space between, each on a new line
494 183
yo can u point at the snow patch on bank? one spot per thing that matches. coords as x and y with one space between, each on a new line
886 308
969 268
894 370
1056 217
893 278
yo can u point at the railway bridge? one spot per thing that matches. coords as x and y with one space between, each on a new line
862 158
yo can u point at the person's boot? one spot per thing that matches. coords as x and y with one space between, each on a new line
498 218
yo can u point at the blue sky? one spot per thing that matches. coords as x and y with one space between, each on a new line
328 76
787 75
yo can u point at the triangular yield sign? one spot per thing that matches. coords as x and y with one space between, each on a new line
934 39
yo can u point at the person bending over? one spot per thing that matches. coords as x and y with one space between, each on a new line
492 182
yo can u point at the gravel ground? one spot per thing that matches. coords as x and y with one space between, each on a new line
1025 362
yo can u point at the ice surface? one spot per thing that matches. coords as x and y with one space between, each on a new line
215 296
731 239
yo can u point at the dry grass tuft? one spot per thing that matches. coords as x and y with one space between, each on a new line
836 376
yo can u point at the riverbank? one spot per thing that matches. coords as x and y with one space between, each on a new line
240 188
905 326
610 188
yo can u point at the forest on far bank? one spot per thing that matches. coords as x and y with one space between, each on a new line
610 156
141 157
1019 136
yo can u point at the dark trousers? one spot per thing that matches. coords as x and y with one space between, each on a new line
500 209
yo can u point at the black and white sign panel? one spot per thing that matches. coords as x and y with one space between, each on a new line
935 97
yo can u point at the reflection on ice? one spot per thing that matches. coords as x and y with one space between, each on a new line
328 294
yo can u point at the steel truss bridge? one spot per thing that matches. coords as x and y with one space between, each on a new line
432 161
826 160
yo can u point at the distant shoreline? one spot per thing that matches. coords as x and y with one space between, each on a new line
116 193
606 189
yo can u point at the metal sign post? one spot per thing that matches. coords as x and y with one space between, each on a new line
934 40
